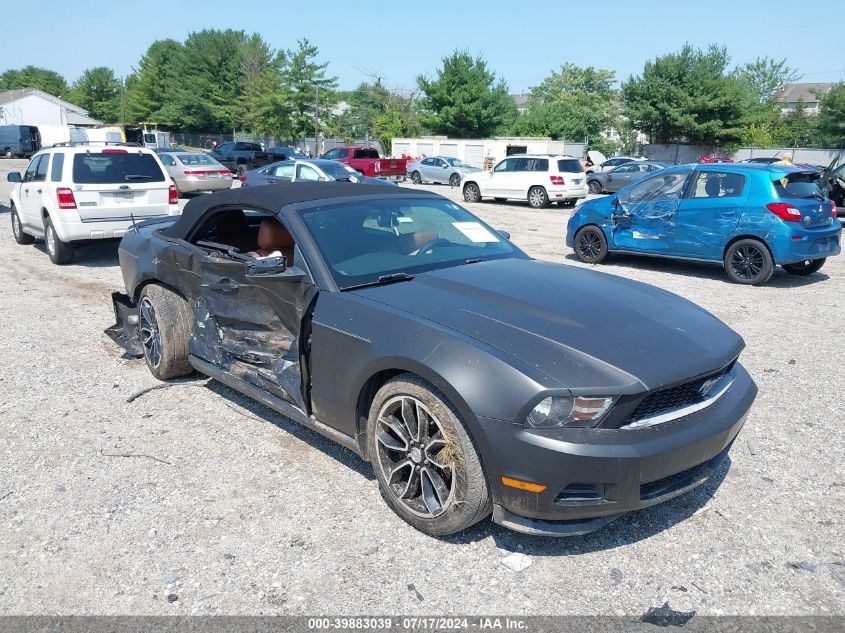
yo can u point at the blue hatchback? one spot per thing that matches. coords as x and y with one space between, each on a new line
750 217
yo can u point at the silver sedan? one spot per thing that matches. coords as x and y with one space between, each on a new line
195 171
443 169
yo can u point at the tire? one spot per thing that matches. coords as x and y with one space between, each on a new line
416 178
807 267
595 187
17 229
590 245
472 193
164 329
455 180
749 262
60 252
460 497
538 198
241 170
9 154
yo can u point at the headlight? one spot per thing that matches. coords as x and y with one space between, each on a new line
557 411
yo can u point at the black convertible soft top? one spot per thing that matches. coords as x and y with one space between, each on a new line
273 198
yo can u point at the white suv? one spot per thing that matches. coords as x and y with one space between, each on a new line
87 191
539 178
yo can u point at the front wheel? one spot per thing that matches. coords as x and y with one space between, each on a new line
749 262
590 245
17 229
538 198
9 154
164 329
595 187
471 192
455 180
807 267
426 464
60 252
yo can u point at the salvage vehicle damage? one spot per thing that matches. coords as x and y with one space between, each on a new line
474 378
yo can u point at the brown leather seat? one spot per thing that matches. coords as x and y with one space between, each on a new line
410 242
274 237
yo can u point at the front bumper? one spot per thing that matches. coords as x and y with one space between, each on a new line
593 476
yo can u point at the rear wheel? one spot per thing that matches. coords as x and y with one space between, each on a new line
241 170
17 229
416 178
749 262
164 329
426 464
807 267
595 187
455 180
538 198
60 252
590 245
471 192
9 154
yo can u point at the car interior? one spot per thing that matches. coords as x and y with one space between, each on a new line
251 233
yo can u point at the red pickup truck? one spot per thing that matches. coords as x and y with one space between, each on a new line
367 161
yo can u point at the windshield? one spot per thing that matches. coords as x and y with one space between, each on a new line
455 162
197 159
338 171
364 240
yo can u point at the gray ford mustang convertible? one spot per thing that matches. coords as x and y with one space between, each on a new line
474 378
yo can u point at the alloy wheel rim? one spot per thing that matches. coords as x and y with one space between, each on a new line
51 240
409 444
472 193
747 262
455 180
416 178
589 245
149 333
537 197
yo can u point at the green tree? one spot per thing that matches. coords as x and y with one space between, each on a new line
575 103
33 77
308 91
264 99
797 128
148 85
382 113
766 76
465 99
203 82
831 118
98 91
689 97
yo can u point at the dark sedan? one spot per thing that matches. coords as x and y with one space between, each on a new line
613 180
475 379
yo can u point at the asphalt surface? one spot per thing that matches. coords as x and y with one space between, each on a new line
192 499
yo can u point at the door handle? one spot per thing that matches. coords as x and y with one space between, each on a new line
226 285
38 191
728 212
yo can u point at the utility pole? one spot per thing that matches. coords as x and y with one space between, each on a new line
316 118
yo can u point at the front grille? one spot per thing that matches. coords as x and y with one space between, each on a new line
674 397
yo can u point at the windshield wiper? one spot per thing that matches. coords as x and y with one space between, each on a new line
136 177
382 280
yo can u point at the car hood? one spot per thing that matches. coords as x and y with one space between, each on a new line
582 328
596 157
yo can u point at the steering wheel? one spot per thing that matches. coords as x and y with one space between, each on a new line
429 245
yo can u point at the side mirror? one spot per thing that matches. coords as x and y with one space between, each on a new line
609 177
504 234
322 179
275 268
14 176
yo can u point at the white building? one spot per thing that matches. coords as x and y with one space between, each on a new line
34 107
483 152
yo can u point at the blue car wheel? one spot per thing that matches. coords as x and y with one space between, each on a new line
590 245
749 262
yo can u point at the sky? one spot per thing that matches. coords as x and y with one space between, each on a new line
522 41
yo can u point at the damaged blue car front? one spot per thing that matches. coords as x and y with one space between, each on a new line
750 217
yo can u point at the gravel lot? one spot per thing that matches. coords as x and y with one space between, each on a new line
195 493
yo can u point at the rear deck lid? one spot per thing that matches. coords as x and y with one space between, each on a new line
117 183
